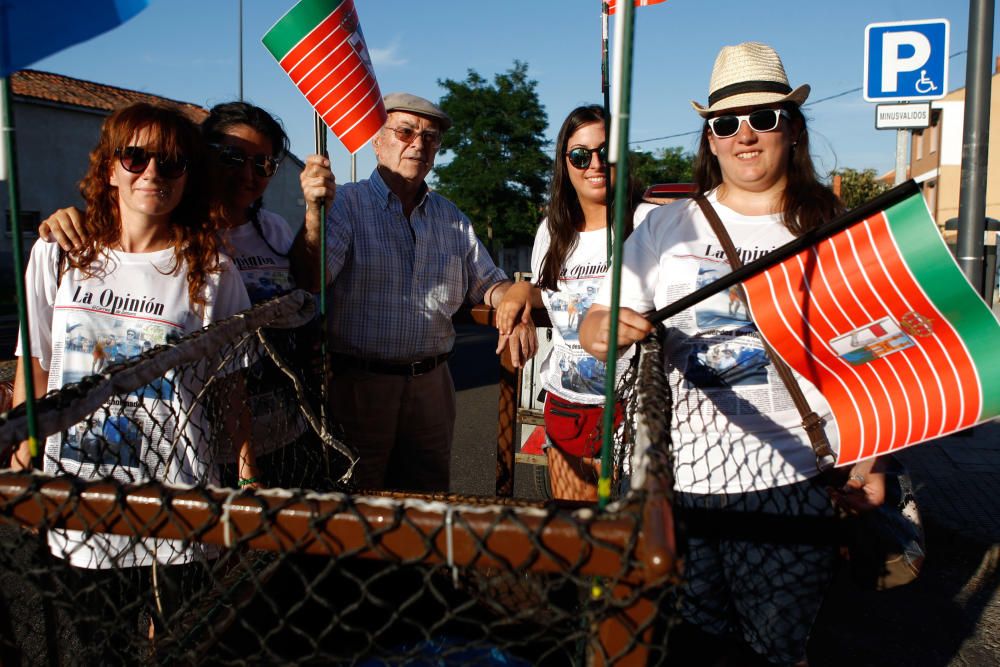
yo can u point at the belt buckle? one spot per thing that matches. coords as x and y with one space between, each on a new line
415 368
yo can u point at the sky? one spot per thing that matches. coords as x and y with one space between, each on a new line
189 50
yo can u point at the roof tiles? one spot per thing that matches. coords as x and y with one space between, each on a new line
67 90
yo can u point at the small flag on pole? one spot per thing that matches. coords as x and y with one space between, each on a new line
320 46
638 3
882 321
34 29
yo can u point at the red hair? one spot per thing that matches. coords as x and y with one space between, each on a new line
192 225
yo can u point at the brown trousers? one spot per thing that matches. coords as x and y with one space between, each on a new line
400 427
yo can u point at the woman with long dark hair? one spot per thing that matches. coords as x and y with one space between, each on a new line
569 260
740 446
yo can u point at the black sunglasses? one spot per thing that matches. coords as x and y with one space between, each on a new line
233 156
580 157
761 120
135 159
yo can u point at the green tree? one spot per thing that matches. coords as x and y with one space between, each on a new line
666 165
498 172
857 187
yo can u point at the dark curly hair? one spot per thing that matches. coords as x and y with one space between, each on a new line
193 227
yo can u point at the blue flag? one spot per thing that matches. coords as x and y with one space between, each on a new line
33 29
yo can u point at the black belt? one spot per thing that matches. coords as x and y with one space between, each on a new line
414 368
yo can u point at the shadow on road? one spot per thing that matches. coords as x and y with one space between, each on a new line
474 362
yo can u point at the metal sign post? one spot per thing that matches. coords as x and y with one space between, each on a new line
975 144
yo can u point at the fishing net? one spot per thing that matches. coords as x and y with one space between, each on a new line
755 522
132 543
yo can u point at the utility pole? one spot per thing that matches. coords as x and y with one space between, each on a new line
975 143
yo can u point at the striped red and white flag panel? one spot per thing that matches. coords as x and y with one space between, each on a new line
308 48
329 66
612 4
847 283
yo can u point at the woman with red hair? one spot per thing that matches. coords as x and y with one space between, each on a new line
148 271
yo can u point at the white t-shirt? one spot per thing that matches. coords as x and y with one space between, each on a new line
735 426
568 371
267 273
79 325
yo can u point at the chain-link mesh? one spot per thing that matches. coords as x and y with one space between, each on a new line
758 539
133 546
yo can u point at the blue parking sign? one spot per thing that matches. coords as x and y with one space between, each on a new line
906 60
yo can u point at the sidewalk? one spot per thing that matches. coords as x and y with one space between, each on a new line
951 614
958 481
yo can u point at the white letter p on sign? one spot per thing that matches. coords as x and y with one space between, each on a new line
893 64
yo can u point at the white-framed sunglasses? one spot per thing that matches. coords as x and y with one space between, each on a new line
761 120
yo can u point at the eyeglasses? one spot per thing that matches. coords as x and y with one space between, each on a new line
408 134
761 120
235 157
580 156
135 159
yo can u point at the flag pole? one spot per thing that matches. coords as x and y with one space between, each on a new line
606 92
793 247
18 251
321 149
240 47
618 154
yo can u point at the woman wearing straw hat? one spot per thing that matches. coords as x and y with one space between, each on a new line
739 444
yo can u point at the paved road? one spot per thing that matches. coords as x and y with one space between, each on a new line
949 617
476 371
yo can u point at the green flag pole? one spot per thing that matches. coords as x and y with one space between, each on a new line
606 92
321 149
13 205
618 155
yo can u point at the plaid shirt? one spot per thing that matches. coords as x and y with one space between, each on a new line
397 282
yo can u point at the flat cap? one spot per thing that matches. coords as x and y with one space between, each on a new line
417 105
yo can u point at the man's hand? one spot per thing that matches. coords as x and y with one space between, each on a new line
318 183
522 342
65 227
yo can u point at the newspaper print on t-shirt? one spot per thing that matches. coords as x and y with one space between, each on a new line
578 372
129 438
728 351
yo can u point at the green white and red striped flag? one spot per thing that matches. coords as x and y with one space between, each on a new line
638 3
883 322
320 46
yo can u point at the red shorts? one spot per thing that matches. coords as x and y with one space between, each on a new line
575 428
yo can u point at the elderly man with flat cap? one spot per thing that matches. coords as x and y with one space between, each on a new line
401 260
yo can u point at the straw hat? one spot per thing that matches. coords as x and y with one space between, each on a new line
746 75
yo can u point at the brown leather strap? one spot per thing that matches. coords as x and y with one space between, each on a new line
811 422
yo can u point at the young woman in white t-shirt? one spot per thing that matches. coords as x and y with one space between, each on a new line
569 260
738 444
247 144
148 270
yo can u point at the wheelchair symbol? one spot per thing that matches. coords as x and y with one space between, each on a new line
924 85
